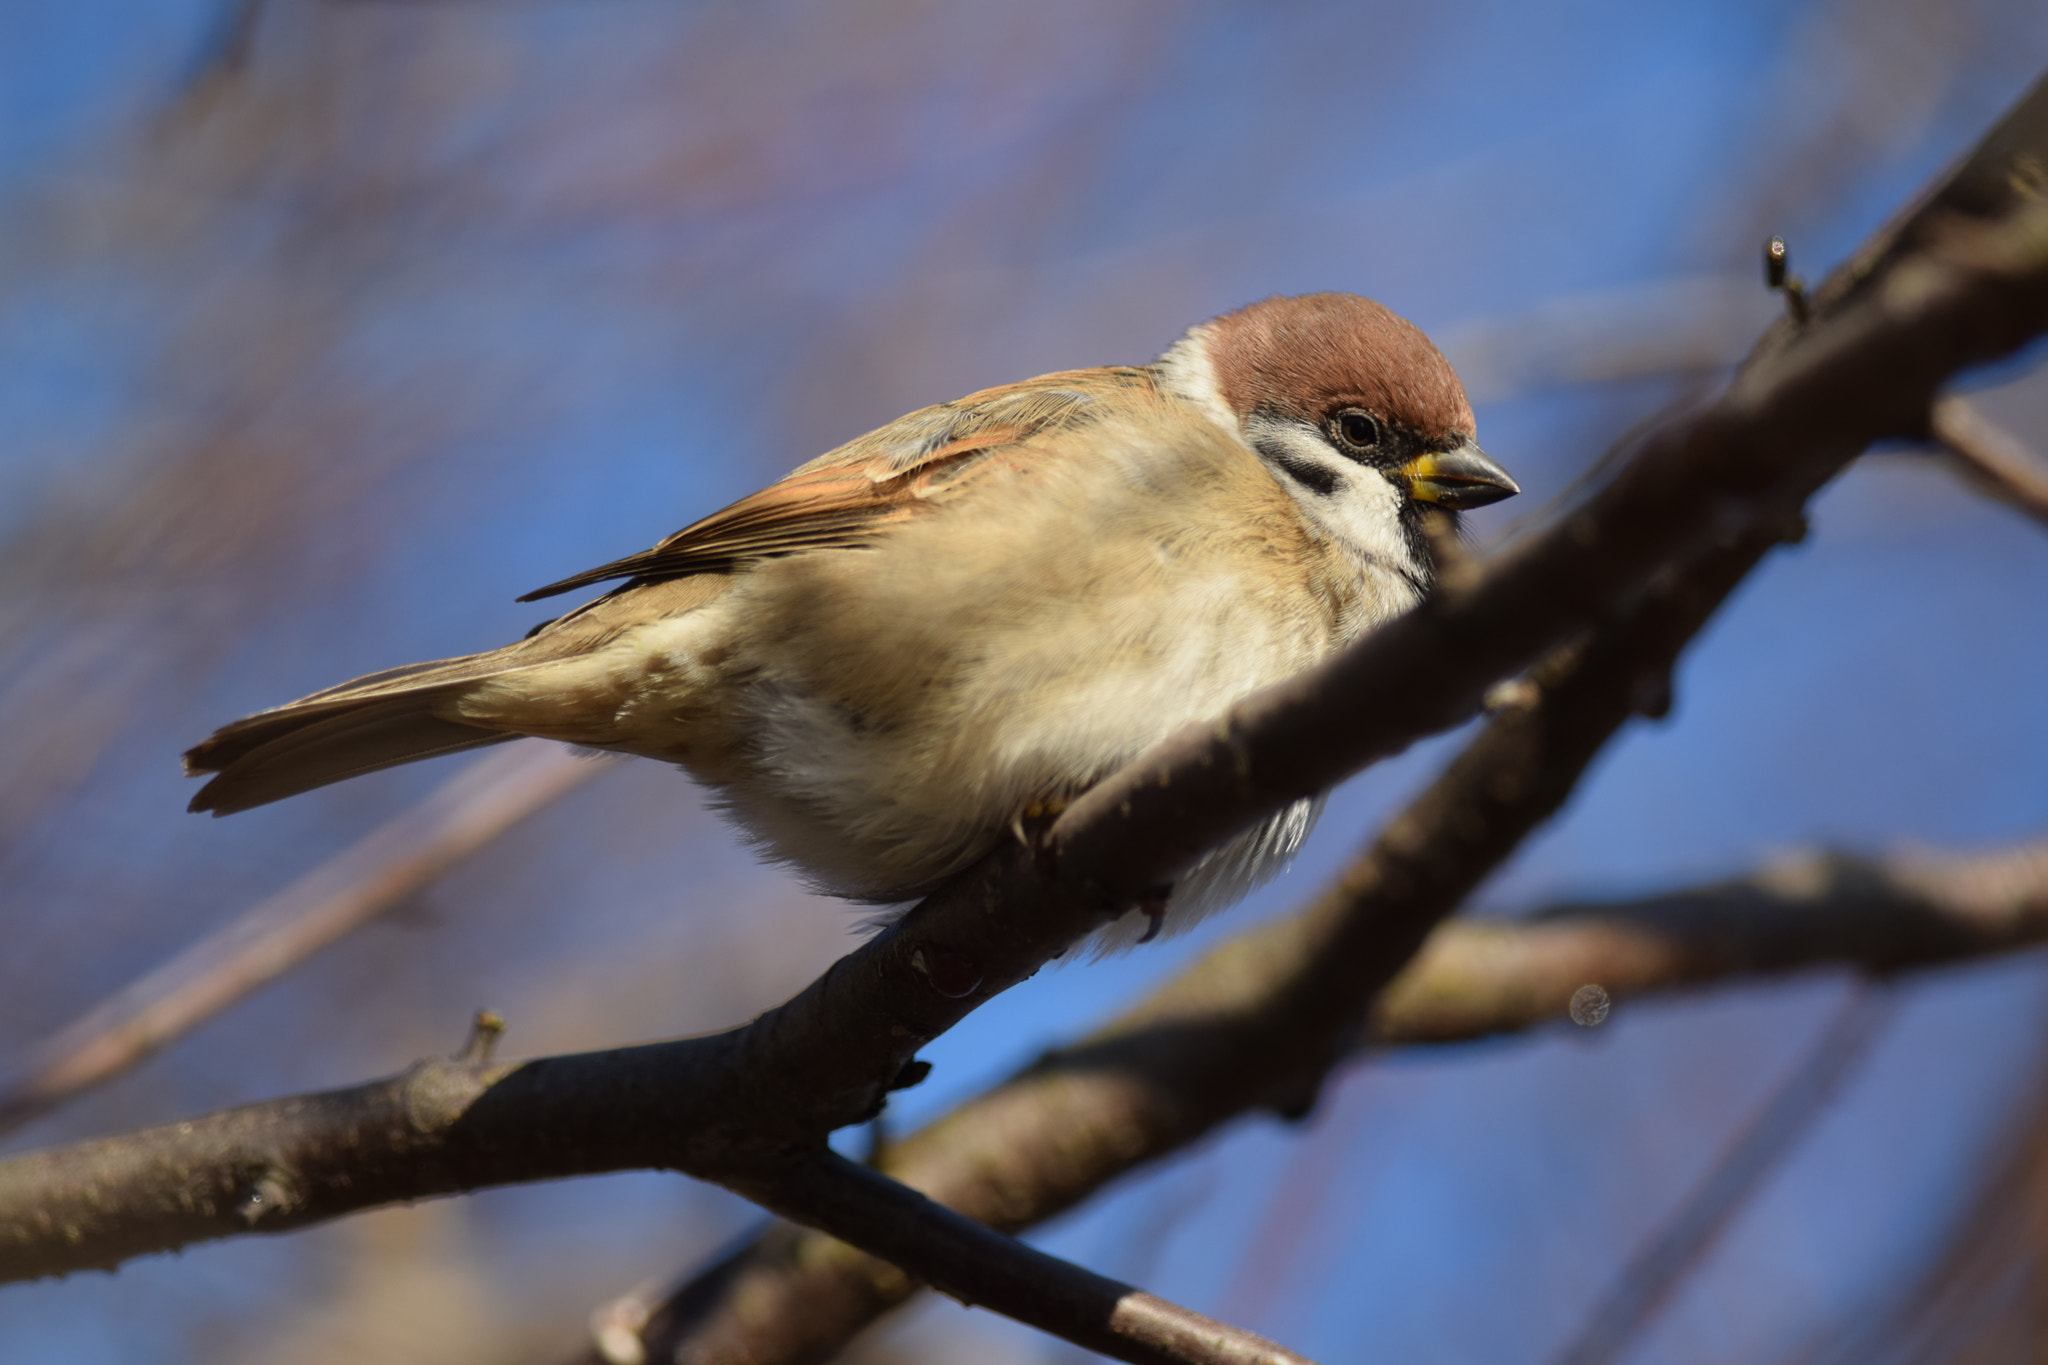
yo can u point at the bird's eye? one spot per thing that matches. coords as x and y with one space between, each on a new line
1357 430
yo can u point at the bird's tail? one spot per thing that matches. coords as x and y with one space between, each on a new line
553 684
379 721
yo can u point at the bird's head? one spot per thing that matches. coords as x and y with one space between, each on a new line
1351 407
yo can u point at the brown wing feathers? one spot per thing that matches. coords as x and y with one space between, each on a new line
831 509
839 501
843 499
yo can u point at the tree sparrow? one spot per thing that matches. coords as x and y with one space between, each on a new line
884 662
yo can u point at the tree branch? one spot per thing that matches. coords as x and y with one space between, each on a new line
1079 1118
1990 457
979 1266
750 1107
845 1291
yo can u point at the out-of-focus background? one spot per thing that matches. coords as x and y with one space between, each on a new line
329 326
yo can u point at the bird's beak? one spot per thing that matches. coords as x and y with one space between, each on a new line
1458 479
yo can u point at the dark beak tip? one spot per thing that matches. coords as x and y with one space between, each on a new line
1465 497
1468 478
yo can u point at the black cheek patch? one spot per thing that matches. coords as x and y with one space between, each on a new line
1304 472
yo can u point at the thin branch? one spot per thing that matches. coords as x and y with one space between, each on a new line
1476 978
1079 1118
370 879
1990 457
985 1268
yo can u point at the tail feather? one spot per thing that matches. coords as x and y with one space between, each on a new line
402 714
379 735
375 722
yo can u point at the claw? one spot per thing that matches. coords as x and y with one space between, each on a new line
1031 823
1153 908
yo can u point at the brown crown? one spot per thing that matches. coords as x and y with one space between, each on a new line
1313 353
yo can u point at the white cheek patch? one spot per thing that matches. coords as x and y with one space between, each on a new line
1355 505
1187 372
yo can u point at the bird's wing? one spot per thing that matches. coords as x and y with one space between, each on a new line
844 498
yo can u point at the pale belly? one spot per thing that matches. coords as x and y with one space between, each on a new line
880 750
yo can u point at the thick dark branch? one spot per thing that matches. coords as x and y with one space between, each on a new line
448 1126
439 1127
1056 1133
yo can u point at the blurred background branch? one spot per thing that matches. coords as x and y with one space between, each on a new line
375 877
1991 458
1656 1271
315 372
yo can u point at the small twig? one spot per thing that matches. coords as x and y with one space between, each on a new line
373 877
1990 457
1776 277
484 1031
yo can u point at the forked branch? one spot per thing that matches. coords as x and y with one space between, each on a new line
1638 565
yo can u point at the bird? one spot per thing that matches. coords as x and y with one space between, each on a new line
912 647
